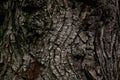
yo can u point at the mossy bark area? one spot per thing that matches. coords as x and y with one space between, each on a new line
59 40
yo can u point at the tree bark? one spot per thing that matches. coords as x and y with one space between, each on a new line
59 40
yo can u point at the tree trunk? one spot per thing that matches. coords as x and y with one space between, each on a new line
59 40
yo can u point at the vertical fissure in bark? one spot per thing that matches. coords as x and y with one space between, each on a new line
106 39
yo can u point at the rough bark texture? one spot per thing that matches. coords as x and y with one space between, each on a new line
59 40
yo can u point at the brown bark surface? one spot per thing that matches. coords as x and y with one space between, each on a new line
59 40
